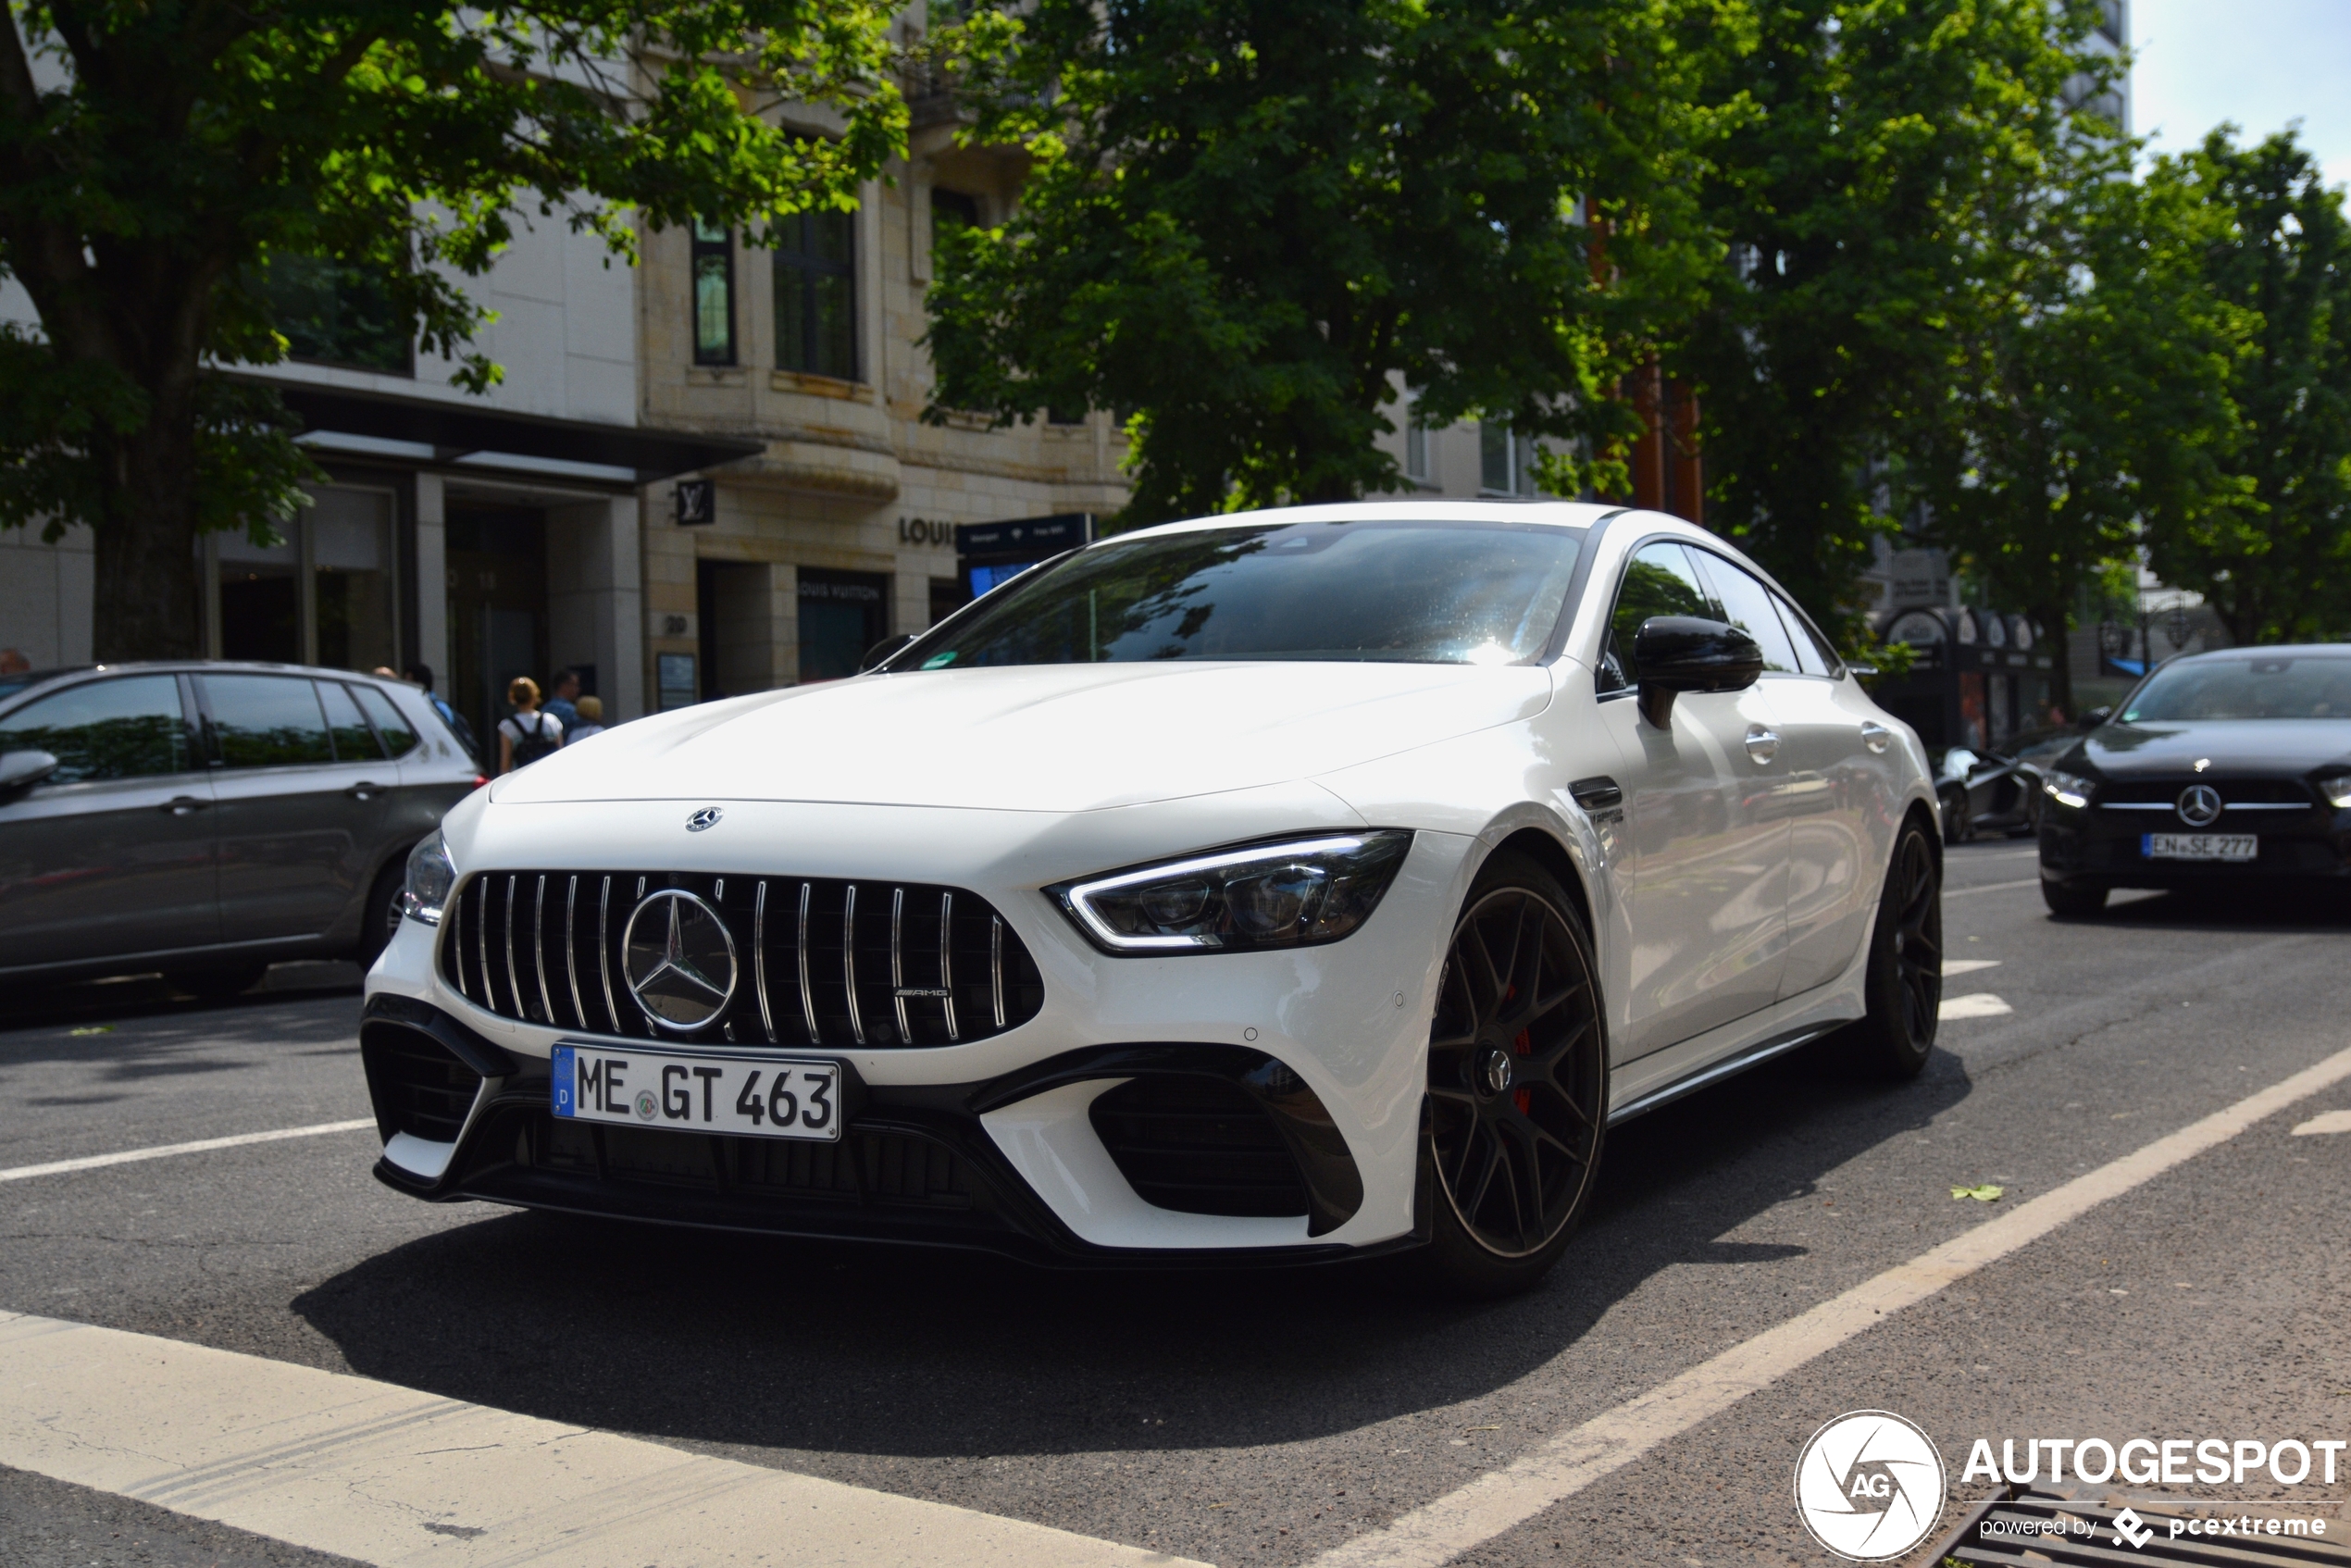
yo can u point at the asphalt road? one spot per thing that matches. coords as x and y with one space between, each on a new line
1264 1418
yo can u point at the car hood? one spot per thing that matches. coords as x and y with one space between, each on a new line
2252 745
1053 737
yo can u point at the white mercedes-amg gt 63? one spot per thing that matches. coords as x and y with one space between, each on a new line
1276 886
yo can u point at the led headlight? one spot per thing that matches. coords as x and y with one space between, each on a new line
431 875
2068 788
2337 789
1292 894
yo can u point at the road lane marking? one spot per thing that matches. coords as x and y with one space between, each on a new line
2331 1121
1980 1004
395 1477
1566 1463
1968 965
1950 893
164 1150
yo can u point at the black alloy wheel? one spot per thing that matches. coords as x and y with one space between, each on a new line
1905 989
1516 1069
1958 823
379 921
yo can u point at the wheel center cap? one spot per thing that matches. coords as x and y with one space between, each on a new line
1494 1073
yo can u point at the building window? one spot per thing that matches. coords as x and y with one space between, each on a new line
333 314
713 271
1419 461
1506 460
951 209
816 294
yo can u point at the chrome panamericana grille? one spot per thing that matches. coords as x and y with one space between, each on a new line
819 962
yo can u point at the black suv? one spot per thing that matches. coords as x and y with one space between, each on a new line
204 820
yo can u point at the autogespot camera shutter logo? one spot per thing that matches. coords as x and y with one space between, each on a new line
1869 1486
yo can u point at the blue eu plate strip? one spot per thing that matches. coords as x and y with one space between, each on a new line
566 1075
2146 846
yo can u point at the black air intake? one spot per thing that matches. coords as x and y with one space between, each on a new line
418 1084
1199 1145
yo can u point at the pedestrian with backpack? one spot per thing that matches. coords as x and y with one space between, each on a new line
529 734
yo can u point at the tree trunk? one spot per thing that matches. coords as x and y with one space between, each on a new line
146 604
2060 649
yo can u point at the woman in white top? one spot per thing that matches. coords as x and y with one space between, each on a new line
529 734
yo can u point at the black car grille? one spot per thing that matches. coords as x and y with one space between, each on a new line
824 963
419 1088
865 1166
2233 791
1199 1145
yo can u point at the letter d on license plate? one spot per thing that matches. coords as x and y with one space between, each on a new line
762 1097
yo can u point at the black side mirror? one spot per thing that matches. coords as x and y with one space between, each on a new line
2094 717
883 650
22 770
1678 653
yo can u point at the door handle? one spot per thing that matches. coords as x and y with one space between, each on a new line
1762 744
1877 736
181 805
363 790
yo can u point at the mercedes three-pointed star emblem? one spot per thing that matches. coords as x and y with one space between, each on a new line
679 959
2200 805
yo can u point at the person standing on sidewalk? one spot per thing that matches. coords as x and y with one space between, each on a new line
561 708
529 734
422 676
592 721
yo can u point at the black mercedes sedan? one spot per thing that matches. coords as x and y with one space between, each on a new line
2221 767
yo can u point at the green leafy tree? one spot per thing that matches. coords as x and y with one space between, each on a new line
2089 389
1247 222
1854 200
2276 248
160 162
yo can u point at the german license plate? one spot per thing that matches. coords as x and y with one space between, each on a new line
2199 846
764 1097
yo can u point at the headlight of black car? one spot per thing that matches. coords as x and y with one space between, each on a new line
2337 789
431 875
1296 893
2068 788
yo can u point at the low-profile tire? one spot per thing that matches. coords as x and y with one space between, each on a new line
1517 1084
216 984
1959 826
2072 900
381 917
1905 990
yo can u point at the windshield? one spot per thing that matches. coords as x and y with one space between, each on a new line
2299 687
1378 590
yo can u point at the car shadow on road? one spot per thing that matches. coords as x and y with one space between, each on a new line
132 1029
777 1344
2252 907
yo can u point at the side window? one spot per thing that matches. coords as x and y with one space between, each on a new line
1658 581
1747 604
353 741
265 721
129 727
1813 654
399 735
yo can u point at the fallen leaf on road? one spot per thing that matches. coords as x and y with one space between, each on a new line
91 1029
1984 1194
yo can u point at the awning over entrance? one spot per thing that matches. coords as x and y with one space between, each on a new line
478 433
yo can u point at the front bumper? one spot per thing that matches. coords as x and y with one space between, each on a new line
2104 847
1011 1142
916 1164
